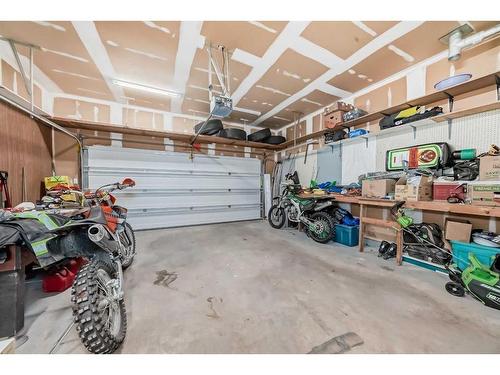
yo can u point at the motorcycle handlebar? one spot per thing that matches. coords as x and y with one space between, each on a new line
126 183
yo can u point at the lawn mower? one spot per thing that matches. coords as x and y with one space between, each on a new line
482 282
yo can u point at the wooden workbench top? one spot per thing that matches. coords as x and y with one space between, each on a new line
437 206
337 197
462 209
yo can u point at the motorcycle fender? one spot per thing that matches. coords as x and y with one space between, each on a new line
73 245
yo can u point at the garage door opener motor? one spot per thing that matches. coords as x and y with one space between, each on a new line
221 105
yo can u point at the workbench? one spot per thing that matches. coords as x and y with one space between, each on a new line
365 220
442 207
435 206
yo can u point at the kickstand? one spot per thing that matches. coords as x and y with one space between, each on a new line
65 333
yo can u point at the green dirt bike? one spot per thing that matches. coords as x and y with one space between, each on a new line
320 225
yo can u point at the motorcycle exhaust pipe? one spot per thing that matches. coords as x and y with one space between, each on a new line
321 206
97 233
100 236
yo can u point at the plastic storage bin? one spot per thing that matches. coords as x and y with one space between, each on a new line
347 235
461 250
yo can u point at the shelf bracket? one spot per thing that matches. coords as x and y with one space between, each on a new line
414 128
366 141
450 122
451 100
497 81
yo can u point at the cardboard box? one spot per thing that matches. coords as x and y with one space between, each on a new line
457 230
484 193
489 168
339 106
419 188
377 188
332 119
401 189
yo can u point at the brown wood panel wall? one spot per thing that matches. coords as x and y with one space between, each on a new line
24 143
66 158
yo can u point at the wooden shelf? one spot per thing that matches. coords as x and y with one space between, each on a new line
473 85
336 197
380 222
466 112
461 209
469 86
376 202
98 126
304 138
345 198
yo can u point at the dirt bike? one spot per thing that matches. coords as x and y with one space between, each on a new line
97 231
320 225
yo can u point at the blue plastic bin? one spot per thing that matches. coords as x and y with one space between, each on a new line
461 250
347 235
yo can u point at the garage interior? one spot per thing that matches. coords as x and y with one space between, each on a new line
250 187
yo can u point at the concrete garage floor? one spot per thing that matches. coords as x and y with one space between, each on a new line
247 288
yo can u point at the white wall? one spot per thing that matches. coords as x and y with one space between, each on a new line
358 159
477 131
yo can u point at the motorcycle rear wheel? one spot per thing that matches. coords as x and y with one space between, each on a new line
101 322
327 229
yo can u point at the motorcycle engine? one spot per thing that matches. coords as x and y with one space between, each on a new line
292 213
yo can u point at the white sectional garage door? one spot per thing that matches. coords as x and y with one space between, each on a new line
173 190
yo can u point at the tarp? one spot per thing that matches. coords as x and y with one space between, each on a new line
33 230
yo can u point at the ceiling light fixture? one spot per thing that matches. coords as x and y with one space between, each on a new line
452 81
151 89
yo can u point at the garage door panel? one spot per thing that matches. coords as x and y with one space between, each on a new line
150 161
174 218
173 190
187 199
187 182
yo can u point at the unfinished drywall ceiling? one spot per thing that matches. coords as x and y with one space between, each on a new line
342 38
277 67
252 37
310 103
62 57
